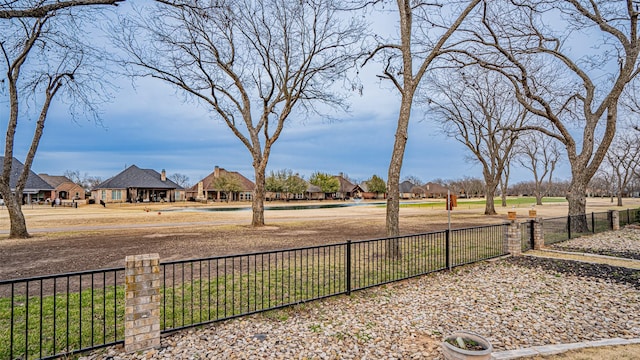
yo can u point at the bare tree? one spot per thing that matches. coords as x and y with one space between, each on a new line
43 58
623 159
560 86
406 61
540 155
504 179
251 62
180 179
13 9
477 108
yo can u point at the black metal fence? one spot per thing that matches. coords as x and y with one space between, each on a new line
48 316
629 216
568 227
52 316
201 291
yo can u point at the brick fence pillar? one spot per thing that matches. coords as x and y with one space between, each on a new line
513 237
142 302
614 215
538 234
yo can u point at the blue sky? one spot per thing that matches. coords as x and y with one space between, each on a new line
153 127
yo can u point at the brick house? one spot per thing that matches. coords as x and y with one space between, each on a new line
435 191
63 188
205 190
138 185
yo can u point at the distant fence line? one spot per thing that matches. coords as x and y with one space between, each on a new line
52 316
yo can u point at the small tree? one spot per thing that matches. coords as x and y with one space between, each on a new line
540 155
623 159
180 179
376 185
275 182
294 185
285 182
326 182
227 183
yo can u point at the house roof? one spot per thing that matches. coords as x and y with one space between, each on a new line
406 187
134 177
55 181
434 188
34 182
207 182
313 188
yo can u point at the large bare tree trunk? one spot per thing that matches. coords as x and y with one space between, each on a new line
395 166
577 198
490 193
257 205
18 228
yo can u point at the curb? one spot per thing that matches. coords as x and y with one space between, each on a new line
560 348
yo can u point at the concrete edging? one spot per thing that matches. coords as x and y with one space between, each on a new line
560 348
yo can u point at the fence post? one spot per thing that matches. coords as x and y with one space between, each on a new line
569 227
614 215
447 245
348 266
532 233
142 302
513 238
593 223
538 234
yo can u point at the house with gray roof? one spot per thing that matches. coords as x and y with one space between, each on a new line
138 185
36 189
64 188
409 190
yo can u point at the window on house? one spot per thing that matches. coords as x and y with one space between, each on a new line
104 195
116 194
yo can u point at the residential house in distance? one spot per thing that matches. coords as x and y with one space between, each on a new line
205 189
435 191
138 185
314 193
35 189
409 190
63 188
347 189
369 195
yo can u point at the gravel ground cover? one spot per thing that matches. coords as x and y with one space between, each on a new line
515 302
624 243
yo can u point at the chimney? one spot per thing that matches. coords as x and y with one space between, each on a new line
163 175
216 171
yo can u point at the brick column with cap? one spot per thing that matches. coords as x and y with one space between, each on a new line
614 215
538 234
142 302
513 238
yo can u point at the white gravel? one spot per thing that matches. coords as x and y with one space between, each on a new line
626 240
513 306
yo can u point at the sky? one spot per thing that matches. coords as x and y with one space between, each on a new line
153 127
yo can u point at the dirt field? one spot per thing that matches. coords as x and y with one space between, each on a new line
93 237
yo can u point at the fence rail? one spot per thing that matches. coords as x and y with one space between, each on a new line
49 316
568 227
53 316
